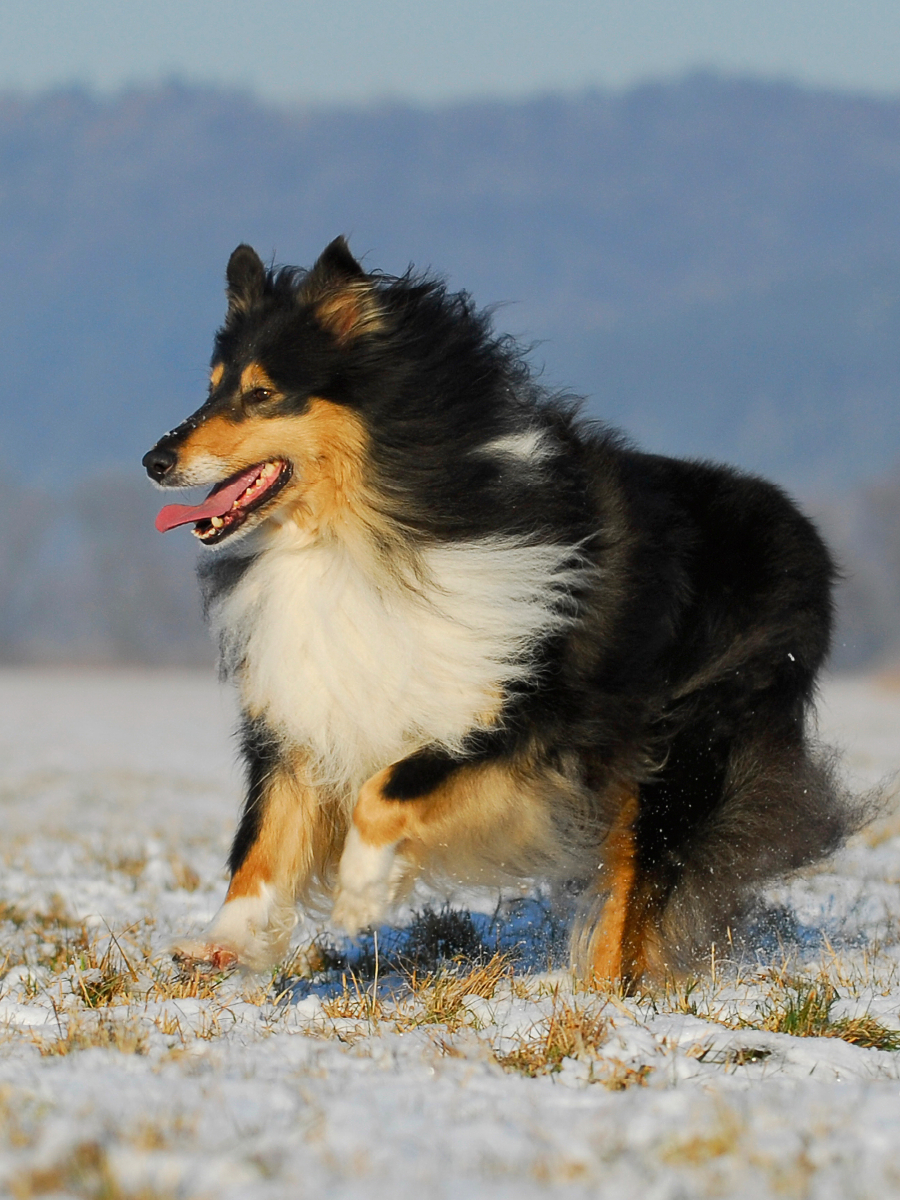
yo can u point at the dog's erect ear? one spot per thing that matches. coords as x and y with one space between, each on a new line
336 263
246 277
343 295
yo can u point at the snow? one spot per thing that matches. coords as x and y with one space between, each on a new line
119 792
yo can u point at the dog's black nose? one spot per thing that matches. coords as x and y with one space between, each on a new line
159 462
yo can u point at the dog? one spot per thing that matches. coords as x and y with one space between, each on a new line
482 639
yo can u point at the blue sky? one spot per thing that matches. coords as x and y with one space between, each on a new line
347 51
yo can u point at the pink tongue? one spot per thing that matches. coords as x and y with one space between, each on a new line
216 504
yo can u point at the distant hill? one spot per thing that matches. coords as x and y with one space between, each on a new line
701 258
714 263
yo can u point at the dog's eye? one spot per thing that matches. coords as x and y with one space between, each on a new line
257 395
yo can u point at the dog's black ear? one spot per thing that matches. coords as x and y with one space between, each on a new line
246 277
342 294
336 262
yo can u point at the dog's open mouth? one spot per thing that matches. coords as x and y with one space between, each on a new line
230 502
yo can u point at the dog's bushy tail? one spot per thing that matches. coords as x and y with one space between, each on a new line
783 809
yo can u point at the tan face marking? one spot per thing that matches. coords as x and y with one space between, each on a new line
253 376
215 375
326 446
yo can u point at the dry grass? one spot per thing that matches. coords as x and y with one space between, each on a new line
104 1033
90 973
84 1172
14 1111
787 1001
175 982
802 1008
184 877
354 1003
430 999
160 1133
696 1149
572 1032
440 1000
741 1056
97 983
120 968
107 977
567 1033
441 996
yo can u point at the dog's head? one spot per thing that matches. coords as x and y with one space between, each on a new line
278 435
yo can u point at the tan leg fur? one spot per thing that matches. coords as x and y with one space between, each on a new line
253 926
618 941
485 824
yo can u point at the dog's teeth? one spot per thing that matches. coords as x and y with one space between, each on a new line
217 522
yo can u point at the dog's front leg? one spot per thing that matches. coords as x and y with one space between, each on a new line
274 852
395 820
485 819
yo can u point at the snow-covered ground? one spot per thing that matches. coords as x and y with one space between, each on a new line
779 1076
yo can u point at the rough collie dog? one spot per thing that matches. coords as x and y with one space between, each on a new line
478 638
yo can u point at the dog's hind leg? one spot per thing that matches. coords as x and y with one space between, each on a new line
614 936
624 933
278 846
473 822
726 813
781 808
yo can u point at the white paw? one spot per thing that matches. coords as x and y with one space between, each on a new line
367 878
251 931
355 912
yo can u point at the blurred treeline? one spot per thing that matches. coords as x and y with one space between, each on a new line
84 577
863 528
713 263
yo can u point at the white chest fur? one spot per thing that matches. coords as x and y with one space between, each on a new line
360 670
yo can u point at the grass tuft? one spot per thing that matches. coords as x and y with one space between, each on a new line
434 939
569 1032
127 1037
865 1031
441 996
575 1033
803 1009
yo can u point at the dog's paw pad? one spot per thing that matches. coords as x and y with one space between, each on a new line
204 956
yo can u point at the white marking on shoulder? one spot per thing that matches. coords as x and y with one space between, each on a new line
530 445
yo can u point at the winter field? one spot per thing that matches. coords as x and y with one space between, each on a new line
449 1062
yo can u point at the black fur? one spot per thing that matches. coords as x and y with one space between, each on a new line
261 752
418 775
